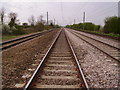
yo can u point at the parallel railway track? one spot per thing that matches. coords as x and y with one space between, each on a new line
59 67
110 50
11 43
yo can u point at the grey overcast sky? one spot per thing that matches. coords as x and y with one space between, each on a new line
64 11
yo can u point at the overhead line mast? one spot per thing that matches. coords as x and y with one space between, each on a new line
83 20
47 18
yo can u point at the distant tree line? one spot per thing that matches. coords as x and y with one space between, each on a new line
14 27
87 26
112 25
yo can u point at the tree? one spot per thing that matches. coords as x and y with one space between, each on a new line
40 19
97 27
87 26
13 19
12 16
31 20
25 24
50 22
112 25
2 15
39 26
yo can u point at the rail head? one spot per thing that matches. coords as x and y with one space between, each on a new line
42 62
77 62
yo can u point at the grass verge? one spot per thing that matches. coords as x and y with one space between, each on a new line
8 37
98 32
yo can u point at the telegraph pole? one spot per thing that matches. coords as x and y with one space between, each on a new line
83 20
47 18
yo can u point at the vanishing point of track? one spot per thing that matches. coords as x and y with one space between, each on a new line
59 67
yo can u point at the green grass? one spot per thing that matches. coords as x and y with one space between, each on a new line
109 34
8 37
113 35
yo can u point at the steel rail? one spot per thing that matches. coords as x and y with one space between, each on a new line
98 41
11 45
98 34
77 62
97 48
41 63
10 41
20 40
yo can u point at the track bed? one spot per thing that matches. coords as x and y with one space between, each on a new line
60 69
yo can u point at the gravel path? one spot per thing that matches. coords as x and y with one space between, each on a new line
103 39
19 62
100 70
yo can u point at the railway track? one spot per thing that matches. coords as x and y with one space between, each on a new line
59 67
110 50
14 42
114 42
